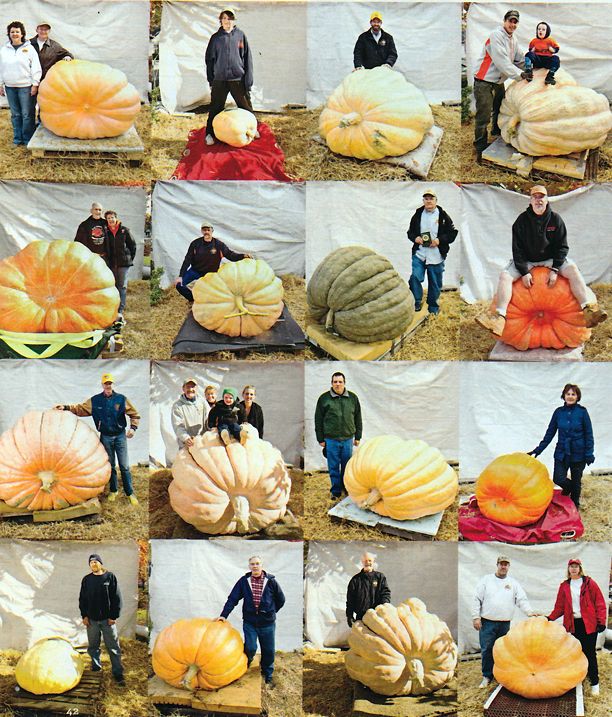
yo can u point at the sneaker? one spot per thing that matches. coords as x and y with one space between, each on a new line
210 140
244 434
486 681
494 323
256 135
112 496
334 498
249 662
418 307
119 679
595 690
133 499
593 315
225 436
270 684
527 75
96 668
550 79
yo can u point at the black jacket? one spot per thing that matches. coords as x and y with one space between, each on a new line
255 417
365 590
272 600
222 413
205 257
368 53
537 238
122 247
228 57
100 597
50 53
446 231
92 233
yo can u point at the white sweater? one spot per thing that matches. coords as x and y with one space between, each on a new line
19 67
496 598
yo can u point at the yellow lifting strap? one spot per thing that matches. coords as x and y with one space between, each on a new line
20 343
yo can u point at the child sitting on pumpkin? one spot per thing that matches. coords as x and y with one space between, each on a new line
542 53
227 416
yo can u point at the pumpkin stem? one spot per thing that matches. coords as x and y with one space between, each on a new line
373 497
241 507
47 479
242 310
352 118
188 677
329 321
417 671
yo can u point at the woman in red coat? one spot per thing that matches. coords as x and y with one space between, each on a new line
584 611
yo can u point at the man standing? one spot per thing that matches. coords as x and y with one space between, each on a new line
203 256
100 606
374 47
539 238
189 414
493 606
229 70
109 410
365 590
338 428
432 232
501 58
93 232
262 598
49 51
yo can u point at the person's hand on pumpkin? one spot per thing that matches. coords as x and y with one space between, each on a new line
249 256
178 280
476 623
532 453
67 59
59 407
189 441
527 280
220 619
552 278
358 68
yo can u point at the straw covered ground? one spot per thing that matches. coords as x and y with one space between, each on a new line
318 525
304 157
119 520
168 316
137 331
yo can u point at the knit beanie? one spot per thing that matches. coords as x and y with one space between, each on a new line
232 392
95 556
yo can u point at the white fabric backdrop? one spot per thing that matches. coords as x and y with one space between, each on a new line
92 30
280 393
376 215
582 30
507 408
407 567
416 399
276 33
540 569
40 584
43 211
192 578
486 233
265 219
40 385
427 39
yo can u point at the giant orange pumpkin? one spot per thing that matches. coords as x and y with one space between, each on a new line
199 654
56 287
51 460
514 489
539 659
543 316
87 100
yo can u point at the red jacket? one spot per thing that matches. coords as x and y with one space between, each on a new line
592 606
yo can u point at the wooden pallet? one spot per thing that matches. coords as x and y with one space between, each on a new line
504 352
89 507
368 704
80 700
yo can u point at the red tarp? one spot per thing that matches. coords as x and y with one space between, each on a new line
262 159
561 521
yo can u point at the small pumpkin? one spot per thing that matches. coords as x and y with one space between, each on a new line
51 460
238 488
199 654
51 666
401 650
56 287
87 100
358 294
514 489
543 316
243 298
374 114
403 480
235 126
538 659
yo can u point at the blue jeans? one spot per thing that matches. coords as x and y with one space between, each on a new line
121 281
490 631
23 113
97 628
189 276
570 487
338 454
550 63
435 272
117 445
233 428
265 634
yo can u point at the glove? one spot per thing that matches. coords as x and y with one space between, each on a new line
601 628
533 453
589 460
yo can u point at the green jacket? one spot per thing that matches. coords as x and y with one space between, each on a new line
338 417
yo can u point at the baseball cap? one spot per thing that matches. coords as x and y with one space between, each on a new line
376 14
574 560
430 191
42 23
108 378
538 189
206 224
503 559
512 13
190 380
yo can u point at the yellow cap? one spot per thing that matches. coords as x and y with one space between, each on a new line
377 15
538 189
108 378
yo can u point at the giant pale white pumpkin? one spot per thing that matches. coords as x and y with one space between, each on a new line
401 650
539 659
235 126
541 119
374 114
51 460
238 488
401 479
358 294
51 666
56 287
243 298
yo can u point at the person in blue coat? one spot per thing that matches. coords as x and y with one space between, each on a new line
575 445
262 598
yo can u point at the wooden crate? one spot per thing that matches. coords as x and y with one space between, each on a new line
80 700
89 507
579 165
128 146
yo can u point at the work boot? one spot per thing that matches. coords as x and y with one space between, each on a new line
225 436
593 315
527 75
112 496
550 79
495 131
494 323
133 499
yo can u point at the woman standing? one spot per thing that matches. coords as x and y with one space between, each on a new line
20 74
122 249
584 611
575 445
253 410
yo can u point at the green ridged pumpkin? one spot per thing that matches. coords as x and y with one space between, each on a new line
358 294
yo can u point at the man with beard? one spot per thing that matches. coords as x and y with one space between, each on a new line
93 233
374 47
365 590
